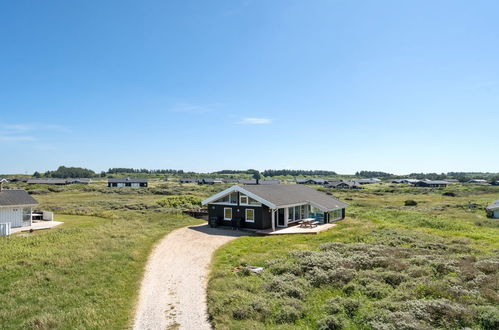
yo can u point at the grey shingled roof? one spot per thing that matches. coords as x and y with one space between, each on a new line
314 180
287 194
435 182
16 197
253 181
46 181
130 180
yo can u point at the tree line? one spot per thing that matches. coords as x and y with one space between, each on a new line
122 170
79 172
271 173
67 172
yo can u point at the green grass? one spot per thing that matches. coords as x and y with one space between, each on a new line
445 254
86 273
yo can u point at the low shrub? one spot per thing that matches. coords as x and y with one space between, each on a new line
410 202
287 285
376 290
488 317
333 306
262 308
351 306
393 278
290 311
241 313
440 312
180 201
488 266
330 322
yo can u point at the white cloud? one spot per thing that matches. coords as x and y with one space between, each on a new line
26 132
255 121
16 138
190 108
17 128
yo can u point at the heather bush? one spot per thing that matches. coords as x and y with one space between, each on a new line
393 278
351 306
440 312
289 311
287 285
488 266
330 322
376 290
333 306
350 289
285 268
488 317
395 321
261 308
241 313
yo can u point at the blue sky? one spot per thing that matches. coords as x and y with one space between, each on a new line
398 86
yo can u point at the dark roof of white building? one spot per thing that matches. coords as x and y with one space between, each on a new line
16 197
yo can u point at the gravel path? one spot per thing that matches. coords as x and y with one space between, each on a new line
173 290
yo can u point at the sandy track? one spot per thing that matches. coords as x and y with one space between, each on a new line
173 290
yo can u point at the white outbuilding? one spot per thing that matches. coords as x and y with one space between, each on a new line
16 206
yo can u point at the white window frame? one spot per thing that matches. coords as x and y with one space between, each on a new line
228 208
241 198
246 215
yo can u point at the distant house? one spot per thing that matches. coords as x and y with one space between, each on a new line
493 210
253 181
127 182
78 181
210 181
16 207
405 181
18 180
272 205
311 181
273 181
188 180
368 181
230 180
431 183
49 181
340 184
478 181
495 183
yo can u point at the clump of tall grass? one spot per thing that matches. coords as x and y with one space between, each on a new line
180 202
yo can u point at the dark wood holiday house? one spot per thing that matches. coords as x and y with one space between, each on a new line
272 206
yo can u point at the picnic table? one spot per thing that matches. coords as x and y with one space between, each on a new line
308 222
